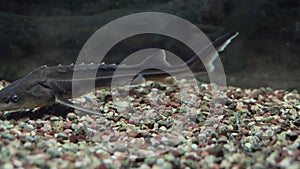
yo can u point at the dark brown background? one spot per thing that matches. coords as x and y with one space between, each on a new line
39 32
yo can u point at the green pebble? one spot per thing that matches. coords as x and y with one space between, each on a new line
80 130
29 138
144 166
22 124
125 164
150 160
170 89
74 126
54 118
10 126
169 157
28 146
58 125
167 165
28 127
5 154
160 161
53 152
62 135
70 147
8 136
72 116
39 163
7 166
41 145
192 164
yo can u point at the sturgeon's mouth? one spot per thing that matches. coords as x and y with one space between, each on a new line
17 110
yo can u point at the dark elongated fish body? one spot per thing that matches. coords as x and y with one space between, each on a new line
47 85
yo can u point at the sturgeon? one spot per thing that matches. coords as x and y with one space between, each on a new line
45 86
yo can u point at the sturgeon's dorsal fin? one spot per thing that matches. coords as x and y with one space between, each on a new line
222 42
157 59
208 55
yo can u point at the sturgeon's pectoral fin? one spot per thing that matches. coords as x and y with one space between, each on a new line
68 103
157 59
169 80
138 80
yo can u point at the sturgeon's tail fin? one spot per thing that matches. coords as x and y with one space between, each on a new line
208 54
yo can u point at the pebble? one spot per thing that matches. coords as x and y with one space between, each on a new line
163 128
286 162
194 164
8 136
144 166
160 161
70 147
17 163
29 138
169 157
28 127
61 135
28 145
8 166
72 116
150 160
54 152
54 118
256 129
107 161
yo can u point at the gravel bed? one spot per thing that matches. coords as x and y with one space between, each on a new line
245 128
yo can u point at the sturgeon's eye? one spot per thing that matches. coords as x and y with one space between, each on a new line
15 98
